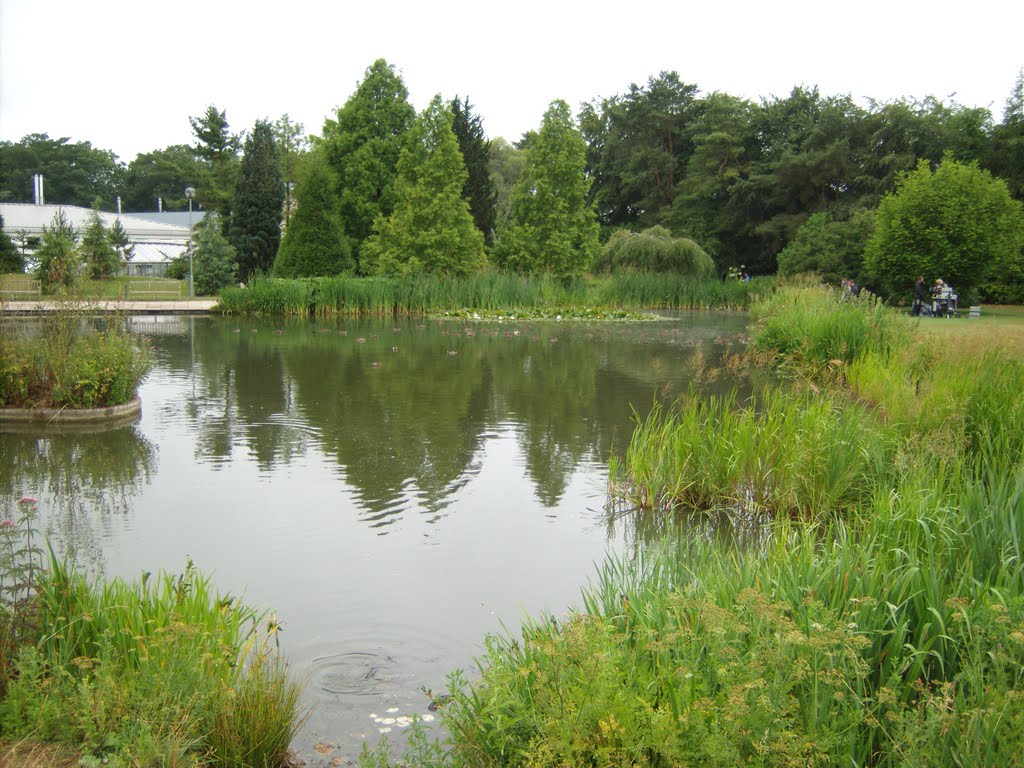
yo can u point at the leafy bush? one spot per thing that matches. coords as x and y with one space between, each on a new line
654 250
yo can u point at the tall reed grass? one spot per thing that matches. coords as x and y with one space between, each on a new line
486 291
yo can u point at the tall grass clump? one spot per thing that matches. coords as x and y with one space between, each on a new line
792 455
820 331
157 669
649 290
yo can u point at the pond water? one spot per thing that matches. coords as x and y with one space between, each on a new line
394 490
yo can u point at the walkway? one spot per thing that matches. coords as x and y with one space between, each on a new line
185 307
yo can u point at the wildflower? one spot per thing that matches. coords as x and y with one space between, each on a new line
6 523
27 500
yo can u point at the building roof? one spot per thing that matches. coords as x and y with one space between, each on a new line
175 218
30 219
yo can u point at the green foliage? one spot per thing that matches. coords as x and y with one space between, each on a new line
830 248
552 226
96 249
11 259
75 173
431 228
363 143
90 371
160 669
217 150
504 167
162 175
957 223
654 250
315 245
479 189
257 205
214 259
293 144
124 250
57 254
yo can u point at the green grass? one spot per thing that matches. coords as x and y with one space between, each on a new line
160 671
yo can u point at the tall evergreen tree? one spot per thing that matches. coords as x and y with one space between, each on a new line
57 254
479 189
258 203
214 260
96 250
431 228
363 144
314 244
217 148
552 226
123 247
11 259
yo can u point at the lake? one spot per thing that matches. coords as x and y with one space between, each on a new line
394 490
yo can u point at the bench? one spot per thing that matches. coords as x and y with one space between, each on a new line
21 289
153 290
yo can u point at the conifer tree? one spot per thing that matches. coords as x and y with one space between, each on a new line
96 250
214 259
315 245
363 144
256 208
551 228
479 189
217 149
57 254
431 228
123 247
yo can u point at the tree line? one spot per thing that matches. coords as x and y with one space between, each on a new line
787 184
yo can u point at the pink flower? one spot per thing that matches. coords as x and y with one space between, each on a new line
28 500
6 523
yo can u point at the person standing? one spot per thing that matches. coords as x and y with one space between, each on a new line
919 296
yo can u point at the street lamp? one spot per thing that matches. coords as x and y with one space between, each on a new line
189 193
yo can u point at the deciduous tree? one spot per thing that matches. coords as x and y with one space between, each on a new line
957 222
363 143
162 175
74 173
11 259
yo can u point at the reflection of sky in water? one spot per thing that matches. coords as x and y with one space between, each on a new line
391 501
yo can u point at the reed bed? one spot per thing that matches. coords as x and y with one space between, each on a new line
487 291
160 671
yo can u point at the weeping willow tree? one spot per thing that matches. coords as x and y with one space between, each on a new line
654 250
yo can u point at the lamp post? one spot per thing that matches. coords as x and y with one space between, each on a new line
189 193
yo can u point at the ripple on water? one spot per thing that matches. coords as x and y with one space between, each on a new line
353 673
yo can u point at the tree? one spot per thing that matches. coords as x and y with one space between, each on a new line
96 251
258 203
292 144
654 250
74 173
957 222
123 247
315 245
159 178
505 165
57 254
10 259
431 228
1005 156
217 149
214 261
479 189
552 226
363 144
831 248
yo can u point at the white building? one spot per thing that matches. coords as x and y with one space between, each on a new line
156 239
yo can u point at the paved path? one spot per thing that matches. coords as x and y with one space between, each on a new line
187 307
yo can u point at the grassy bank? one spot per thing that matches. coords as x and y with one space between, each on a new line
485 292
161 671
877 617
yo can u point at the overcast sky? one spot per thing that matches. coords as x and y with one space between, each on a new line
126 75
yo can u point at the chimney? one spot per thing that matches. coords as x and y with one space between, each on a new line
118 205
37 183
160 204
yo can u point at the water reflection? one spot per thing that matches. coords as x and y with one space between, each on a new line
403 408
83 478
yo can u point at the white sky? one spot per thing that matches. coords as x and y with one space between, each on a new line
127 74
